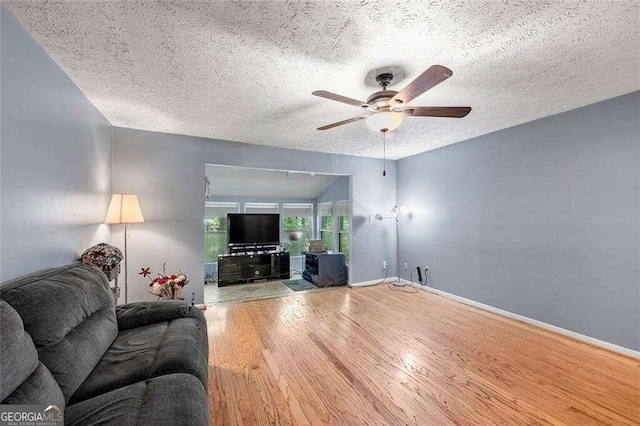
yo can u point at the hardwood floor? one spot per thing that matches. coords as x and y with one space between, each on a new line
377 356
250 291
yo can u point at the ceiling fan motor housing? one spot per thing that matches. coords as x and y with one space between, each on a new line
384 79
381 99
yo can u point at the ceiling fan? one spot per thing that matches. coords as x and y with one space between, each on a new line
387 107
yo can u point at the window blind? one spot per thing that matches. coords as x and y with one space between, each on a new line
217 209
324 209
297 209
342 208
261 208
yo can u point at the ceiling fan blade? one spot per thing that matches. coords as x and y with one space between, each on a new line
453 112
340 123
433 76
339 98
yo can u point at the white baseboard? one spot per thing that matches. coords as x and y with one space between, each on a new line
373 282
577 336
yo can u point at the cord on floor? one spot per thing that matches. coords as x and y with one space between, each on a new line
401 289
410 290
386 272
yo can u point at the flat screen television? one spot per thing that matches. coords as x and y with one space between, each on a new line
244 229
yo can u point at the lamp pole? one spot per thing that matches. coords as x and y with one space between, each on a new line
397 212
398 282
124 209
126 267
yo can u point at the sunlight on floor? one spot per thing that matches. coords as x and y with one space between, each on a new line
250 291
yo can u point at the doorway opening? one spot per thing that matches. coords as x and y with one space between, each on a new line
266 231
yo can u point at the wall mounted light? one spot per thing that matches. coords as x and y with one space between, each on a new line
400 211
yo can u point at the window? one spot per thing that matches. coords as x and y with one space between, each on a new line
343 238
326 224
326 232
215 228
297 219
261 208
342 211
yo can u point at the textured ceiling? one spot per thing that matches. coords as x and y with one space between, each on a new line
244 71
248 182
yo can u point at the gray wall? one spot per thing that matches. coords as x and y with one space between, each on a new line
167 173
337 191
55 160
541 219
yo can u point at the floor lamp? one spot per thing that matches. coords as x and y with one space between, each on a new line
396 212
124 209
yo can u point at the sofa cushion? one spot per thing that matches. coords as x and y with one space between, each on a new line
176 346
139 314
174 399
39 388
23 379
70 315
18 355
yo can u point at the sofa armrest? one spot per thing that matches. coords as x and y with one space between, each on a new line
139 314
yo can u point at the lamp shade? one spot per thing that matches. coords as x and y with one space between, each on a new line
388 120
104 256
402 210
124 208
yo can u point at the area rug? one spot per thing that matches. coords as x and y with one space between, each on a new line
299 284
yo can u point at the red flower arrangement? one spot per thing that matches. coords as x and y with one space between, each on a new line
166 286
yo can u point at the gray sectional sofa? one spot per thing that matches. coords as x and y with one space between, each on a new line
64 343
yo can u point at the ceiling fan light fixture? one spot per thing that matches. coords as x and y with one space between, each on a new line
389 106
389 120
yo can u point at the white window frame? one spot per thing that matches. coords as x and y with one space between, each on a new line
311 221
321 209
274 206
305 205
235 207
339 207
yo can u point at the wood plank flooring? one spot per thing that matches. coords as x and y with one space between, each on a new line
249 291
377 356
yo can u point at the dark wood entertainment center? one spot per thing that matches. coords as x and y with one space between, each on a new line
252 250
245 267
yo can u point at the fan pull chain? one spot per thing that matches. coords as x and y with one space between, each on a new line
384 151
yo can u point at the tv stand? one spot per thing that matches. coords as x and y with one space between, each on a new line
245 267
250 249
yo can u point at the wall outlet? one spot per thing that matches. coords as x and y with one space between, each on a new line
384 265
406 266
